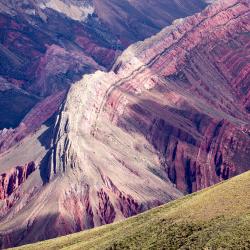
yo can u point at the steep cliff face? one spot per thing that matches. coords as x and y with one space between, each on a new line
42 52
11 183
172 117
180 96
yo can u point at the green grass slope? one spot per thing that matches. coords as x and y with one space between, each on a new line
215 218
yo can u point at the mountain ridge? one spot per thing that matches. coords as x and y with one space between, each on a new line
179 125
45 51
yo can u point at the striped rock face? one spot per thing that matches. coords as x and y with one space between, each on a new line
45 46
170 118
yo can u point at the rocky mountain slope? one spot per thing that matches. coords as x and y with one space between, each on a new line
216 218
183 94
134 20
171 118
46 45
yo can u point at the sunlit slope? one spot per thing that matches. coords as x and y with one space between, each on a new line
215 218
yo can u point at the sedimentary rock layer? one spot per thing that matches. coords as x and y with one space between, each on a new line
185 91
172 117
45 46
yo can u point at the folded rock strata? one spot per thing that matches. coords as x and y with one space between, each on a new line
171 118
45 46
185 91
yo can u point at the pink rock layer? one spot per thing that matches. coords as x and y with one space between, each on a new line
171 118
44 51
10 182
196 113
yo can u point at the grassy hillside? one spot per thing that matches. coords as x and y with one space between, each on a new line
215 218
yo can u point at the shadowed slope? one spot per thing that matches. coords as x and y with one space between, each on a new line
218 217
134 20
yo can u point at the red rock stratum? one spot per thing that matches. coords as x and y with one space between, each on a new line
171 118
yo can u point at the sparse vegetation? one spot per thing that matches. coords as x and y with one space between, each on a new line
215 218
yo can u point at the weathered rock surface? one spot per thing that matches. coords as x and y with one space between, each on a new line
186 91
45 46
172 117
9 182
175 97
40 58
134 20
195 109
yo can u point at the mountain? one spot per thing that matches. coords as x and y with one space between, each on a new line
42 52
45 46
170 118
134 20
216 218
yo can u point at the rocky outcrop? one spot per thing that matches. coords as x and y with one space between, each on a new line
11 181
169 112
42 53
169 119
